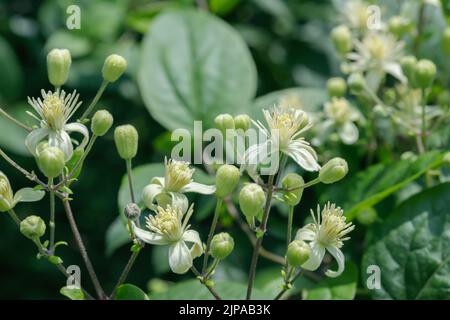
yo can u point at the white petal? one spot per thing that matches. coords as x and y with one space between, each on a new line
395 70
34 137
80 128
149 237
316 257
304 155
180 259
197 247
348 133
149 194
158 180
305 233
198 188
62 141
179 200
340 259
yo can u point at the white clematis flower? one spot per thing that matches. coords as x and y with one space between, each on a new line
341 115
284 134
170 189
170 227
54 110
326 233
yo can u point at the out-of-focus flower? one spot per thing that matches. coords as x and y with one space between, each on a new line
341 115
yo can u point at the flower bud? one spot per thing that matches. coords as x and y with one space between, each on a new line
408 64
424 73
298 253
446 40
294 182
356 83
389 96
251 200
101 122
222 245
242 122
132 211
113 67
336 87
342 39
227 178
6 194
224 121
58 65
32 227
398 26
367 217
51 161
334 170
126 138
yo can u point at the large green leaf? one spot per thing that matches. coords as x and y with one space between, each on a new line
194 66
412 248
15 139
368 188
194 290
130 292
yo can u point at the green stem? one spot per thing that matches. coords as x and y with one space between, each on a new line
17 122
52 215
14 216
263 227
289 282
202 281
211 234
94 101
289 227
126 271
130 180
304 186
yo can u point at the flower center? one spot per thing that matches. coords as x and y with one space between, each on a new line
376 47
333 227
178 175
285 123
166 222
53 111
338 109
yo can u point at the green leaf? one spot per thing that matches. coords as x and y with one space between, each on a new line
55 260
222 7
194 290
116 236
11 81
412 249
368 188
340 288
72 292
194 66
130 292
15 139
28 195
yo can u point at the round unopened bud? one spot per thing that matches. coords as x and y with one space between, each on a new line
251 199
446 40
294 183
356 83
336 87
224 121
32 227
342 39
6 194
424 73
132 211
101 122
113 67
227 178
51 161
126 138
58 65
298 253
367 216
222 245
242 122
334 170
408 64
398 26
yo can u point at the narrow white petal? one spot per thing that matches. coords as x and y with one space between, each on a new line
348 133
65 144
304 155
158 180
305 233
316 257
180 201
80 128
149 237
180 259
149 194
198 188
34 137
340 259
197 246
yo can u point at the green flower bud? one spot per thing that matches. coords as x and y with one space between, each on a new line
51 161
295 182
101 122
398 26
113 67
227 178
242 122
32 227
58 65
298 253
126 138
356 83
6 194
408 64
342 39
367 217
389 96
224 121
336 87
132 211
334 170
446 40
222 245
251 200
424 73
